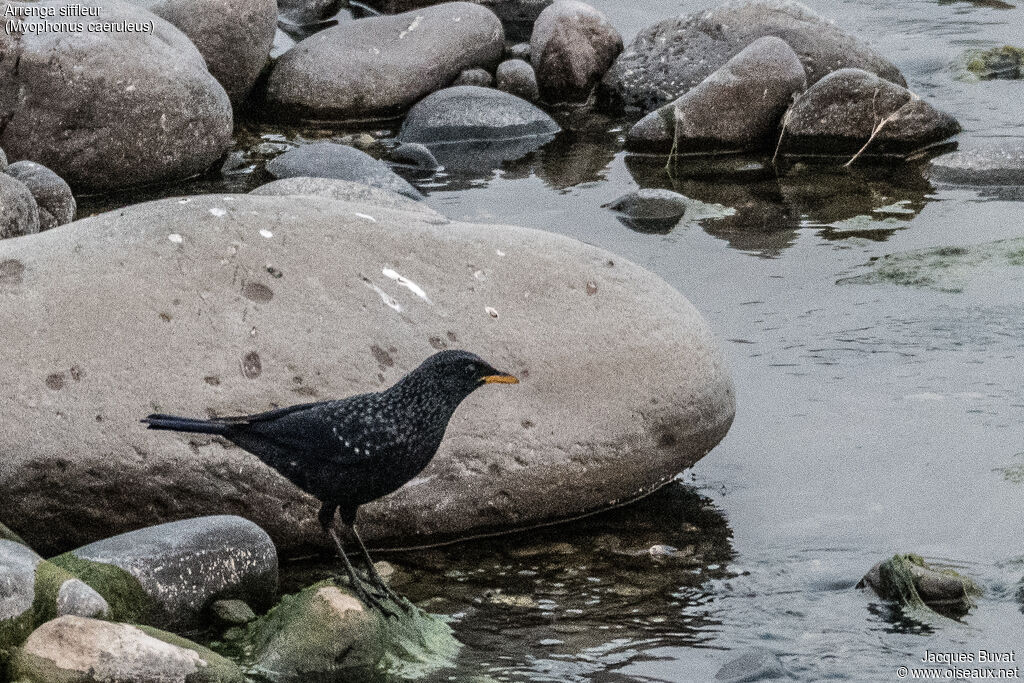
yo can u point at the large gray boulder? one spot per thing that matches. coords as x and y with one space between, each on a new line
571 48
346 190
81 650
517 16
670 57
331 160
179 569
233 36
68 97
53 196
236 303
379 66
738 107
19 213
839 114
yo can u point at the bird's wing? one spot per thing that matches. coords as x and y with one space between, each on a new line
268 415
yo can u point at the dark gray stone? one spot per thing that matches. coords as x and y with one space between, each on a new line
346 190
518 51
185 566
517 16
62 110
337 325
670 57
516 77
379 66
233 36
3 161
468 113
997 162
650 210
415 154
232 612
738 107
53 196
19 214
837 115
331 160
571 48
477 77
755 664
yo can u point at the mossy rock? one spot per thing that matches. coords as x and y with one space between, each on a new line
128 600
1006 62
80 650
5 533
921 588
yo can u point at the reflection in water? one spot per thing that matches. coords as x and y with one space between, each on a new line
562 602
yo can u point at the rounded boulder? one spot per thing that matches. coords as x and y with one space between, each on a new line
571 48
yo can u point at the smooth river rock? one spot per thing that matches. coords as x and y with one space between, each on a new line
66 97
331 160
233 36
19 213
738 107
230 304
53 196
516 77
670 57
379 66
837 115
347 190
74 649
981 163
571 48
182 568
517 16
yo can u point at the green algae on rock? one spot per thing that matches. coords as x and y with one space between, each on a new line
946 269
921 589
129 601
1006 62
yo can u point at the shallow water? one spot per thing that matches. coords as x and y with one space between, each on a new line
872 418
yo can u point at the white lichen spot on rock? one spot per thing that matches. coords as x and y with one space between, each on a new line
176 238
340 602
499 252
218 212
407 283
491 312
412 26
479 275
266 233
384 296
366 216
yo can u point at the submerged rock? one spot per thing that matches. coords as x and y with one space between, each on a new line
998 62
979 164
19 213
168 575
839 114
909 581
667 59
571 48
233 36
331 160
516 77
379 66
650 210
755 664
85 650
241 302
69 117
416 155
738 107
346 190
53 196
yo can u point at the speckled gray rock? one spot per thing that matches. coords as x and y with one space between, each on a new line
19 214
331 160
308 275
232 612
17 584
233 36
670 57
379 66
185 566
470 113
649 209
78 598
70 117
838 114
478 77
346 190
518 51
994 162
738 107
3 160
79 650
416 155
754 664
517 16
571 48
516 77
53 196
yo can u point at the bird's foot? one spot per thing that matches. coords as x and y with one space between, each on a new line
372 600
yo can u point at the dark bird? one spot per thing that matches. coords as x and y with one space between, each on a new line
355 450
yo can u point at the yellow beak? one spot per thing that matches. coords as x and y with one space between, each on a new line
500 379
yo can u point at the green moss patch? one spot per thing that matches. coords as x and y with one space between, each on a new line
7 535
1006 62
922 589
218 669
128 601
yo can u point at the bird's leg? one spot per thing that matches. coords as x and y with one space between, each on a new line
358 586
375 576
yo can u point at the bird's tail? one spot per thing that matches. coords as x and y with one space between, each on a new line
185 424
